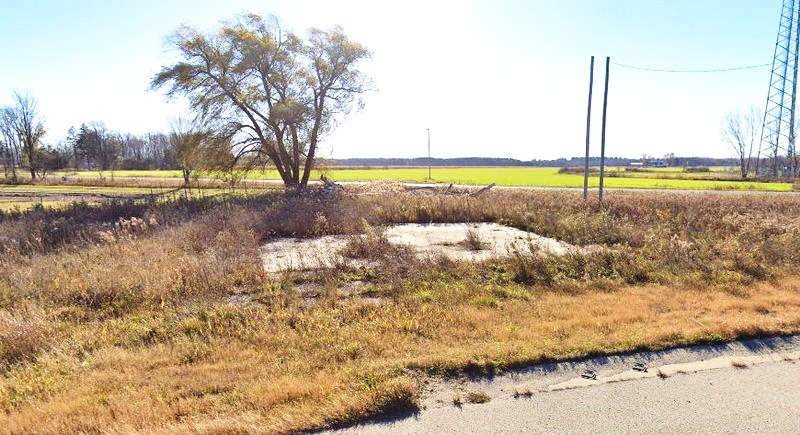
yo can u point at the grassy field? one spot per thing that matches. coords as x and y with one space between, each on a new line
159 317
508 176
21 197
40 188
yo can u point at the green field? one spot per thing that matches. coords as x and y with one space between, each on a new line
24 197
504 176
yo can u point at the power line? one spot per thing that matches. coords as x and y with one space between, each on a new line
692 70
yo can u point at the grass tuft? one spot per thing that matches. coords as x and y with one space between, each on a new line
473 241
23 334
477 397
740 364
525 393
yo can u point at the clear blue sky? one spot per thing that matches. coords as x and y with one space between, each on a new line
503 78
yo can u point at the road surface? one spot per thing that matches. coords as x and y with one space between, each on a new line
703 392
759 399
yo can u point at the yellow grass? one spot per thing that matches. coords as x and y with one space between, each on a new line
132 328
339 363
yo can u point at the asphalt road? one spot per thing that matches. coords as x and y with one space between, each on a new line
759 399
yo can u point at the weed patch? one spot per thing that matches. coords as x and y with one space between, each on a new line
172 324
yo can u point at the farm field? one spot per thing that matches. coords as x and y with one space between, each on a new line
161 316
663 178
22 197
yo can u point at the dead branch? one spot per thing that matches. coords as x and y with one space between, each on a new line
482 191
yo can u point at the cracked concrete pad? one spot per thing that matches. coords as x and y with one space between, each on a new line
425 239
302 254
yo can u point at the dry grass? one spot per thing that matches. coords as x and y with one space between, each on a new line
740 364
137 332
374 245
473 241
525 392
478 397
160 183
23 334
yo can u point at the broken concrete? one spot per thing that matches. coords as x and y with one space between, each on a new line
425 239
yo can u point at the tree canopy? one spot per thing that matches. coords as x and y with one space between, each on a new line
272 92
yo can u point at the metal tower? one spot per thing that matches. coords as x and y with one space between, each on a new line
778 133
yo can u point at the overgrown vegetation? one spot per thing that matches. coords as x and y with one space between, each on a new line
146 317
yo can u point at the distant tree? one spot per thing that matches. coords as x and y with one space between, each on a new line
27 125
274 93
10 150
190 142
646 159
71 143
669 158
85 145
52 158
98 146
740 130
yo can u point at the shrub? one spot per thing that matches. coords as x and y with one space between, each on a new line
22 335
473 241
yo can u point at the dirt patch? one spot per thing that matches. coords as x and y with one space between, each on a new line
457 241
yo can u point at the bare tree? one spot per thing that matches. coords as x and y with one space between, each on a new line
189 141
740 130
275 94
9 143
29 128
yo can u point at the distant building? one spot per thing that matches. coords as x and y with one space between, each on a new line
650 164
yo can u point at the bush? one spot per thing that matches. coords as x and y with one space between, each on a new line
473 241
22 335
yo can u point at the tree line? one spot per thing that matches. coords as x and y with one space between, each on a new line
259 95
91 146
670 159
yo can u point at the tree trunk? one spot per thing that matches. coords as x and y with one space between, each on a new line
31 163
186 175
312 143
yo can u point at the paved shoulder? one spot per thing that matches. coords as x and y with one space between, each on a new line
758 399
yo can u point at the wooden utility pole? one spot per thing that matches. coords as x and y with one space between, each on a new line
588 125
429 154
603 134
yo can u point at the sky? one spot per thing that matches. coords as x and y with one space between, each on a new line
502 78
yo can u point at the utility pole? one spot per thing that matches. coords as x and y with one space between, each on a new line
588 125
429 154
603 134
